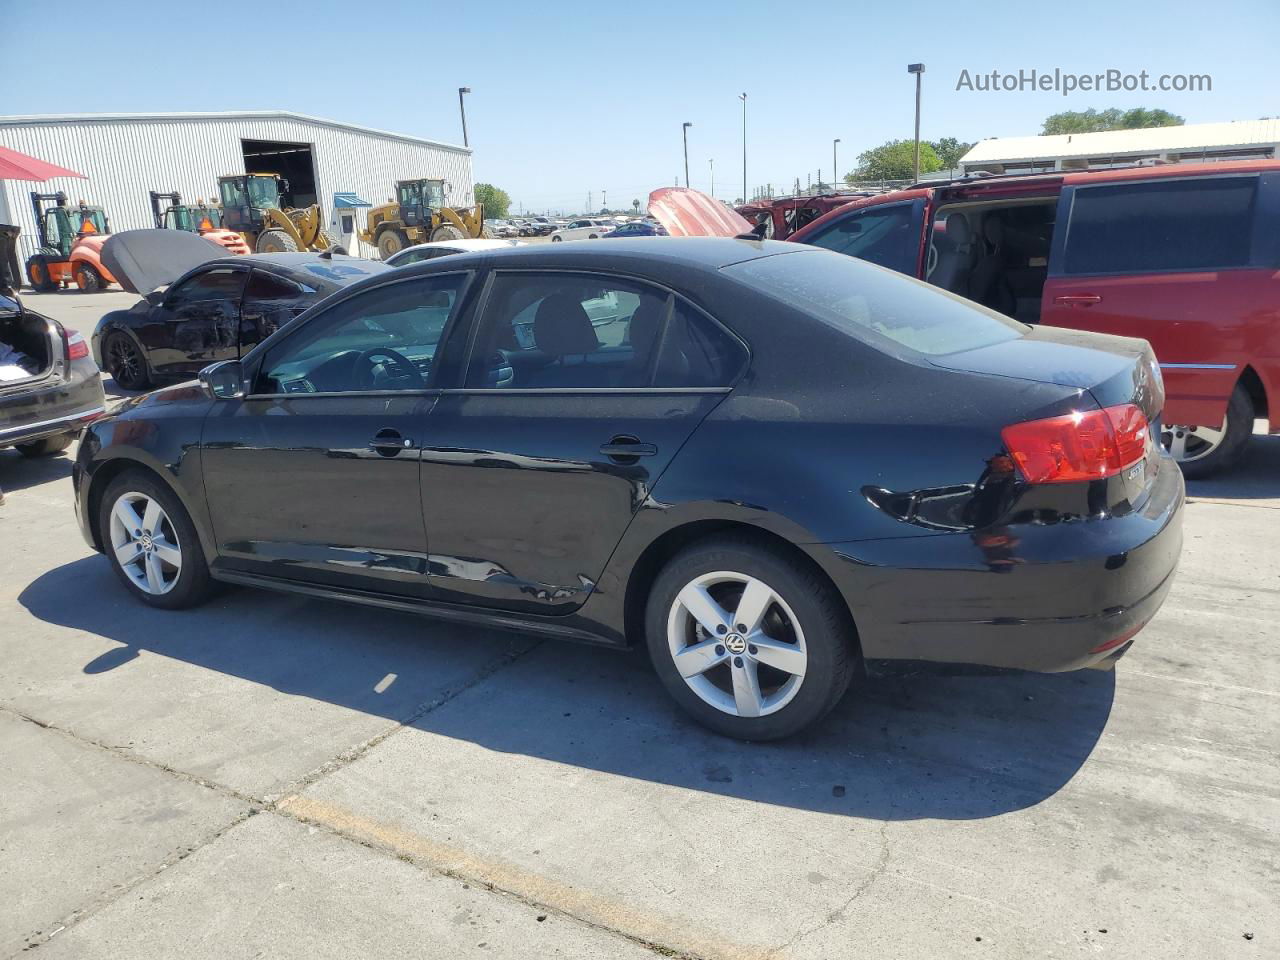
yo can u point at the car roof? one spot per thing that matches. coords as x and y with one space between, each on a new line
467 243
332 272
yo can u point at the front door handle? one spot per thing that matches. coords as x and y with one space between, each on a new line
1078 299
388 442
627 449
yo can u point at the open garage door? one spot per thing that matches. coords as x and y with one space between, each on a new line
293 161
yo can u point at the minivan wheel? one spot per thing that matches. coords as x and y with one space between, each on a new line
1203 451
151 543
751 645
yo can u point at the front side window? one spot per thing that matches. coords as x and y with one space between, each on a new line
1201 223
583 331
887 235
874 305
382 339
219 284
264 193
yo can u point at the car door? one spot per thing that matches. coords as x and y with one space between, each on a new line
314 474
270 301
566 415
197 323
1182 262
888 234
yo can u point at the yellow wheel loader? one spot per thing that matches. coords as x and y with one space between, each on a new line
251 207
418 215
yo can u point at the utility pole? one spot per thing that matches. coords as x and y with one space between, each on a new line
712 161
835 167
684 132
604 199
743 98
918 70
590 207
462 108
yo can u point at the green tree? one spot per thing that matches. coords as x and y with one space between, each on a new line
949 151
636 205
894 161
1094 121
496 202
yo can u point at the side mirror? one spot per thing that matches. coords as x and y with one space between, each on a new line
224 380
155 297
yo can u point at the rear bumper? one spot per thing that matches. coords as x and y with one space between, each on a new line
1048 597
60 407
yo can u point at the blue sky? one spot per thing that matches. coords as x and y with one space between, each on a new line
570 97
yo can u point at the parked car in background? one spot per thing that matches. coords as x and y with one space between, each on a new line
499 229
444 248
638 228
49 385
584 228
1182 255
542 225
552 438
201 307
778 218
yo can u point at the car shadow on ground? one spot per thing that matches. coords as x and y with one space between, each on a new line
20 473
924 742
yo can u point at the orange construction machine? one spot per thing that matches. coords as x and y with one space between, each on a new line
71 240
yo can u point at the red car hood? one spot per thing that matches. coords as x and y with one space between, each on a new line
691 213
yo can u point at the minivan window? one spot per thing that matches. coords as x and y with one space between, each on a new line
888 235
1201 223
871 303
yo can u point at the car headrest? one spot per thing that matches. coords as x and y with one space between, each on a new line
958 229
645 324
562 328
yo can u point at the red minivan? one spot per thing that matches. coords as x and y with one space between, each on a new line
1186 256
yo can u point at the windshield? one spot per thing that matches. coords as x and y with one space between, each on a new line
264 193
873 303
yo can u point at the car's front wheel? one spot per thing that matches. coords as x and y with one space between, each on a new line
751 644
556 239
151 542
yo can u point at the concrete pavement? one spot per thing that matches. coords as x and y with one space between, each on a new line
268 776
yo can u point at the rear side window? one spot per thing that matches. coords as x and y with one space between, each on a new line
887 235
874 305
1201 223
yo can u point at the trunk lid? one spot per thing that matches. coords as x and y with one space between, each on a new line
1112 369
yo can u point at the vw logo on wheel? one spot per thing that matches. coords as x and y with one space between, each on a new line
735 643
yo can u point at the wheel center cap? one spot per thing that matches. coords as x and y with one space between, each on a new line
735 643
146 541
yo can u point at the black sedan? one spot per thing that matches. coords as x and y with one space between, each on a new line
219 310
765 462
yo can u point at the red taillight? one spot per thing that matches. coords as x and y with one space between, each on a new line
1086 445
76 347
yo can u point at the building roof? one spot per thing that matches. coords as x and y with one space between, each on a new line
1113 143
74 118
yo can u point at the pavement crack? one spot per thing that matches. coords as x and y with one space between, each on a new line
836 915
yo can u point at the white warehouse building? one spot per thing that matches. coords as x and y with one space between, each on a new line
125 156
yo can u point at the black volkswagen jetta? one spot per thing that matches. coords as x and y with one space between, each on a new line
764 461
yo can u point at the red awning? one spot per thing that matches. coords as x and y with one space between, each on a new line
18 166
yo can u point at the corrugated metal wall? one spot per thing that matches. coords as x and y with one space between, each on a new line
126 158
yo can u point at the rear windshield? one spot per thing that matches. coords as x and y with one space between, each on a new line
873 303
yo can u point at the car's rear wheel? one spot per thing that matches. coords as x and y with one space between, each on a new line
1203 451
557 239
46 446
125 363
151 542
751 644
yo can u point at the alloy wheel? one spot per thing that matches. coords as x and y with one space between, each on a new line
1188 443
145 543
123 361
737 644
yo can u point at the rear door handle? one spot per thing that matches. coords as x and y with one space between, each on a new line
389 442
1078 299
627 448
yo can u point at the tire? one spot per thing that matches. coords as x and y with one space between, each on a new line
823 647
1203 452
391 242
447 231
169 586
592 236
47 446
557 239
88 279
38 274
275 241
125 362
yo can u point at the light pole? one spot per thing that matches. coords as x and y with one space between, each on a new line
918 70
462 108
712 161
743 98
835 176
684 132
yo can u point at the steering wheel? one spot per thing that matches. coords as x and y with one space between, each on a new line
401 369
